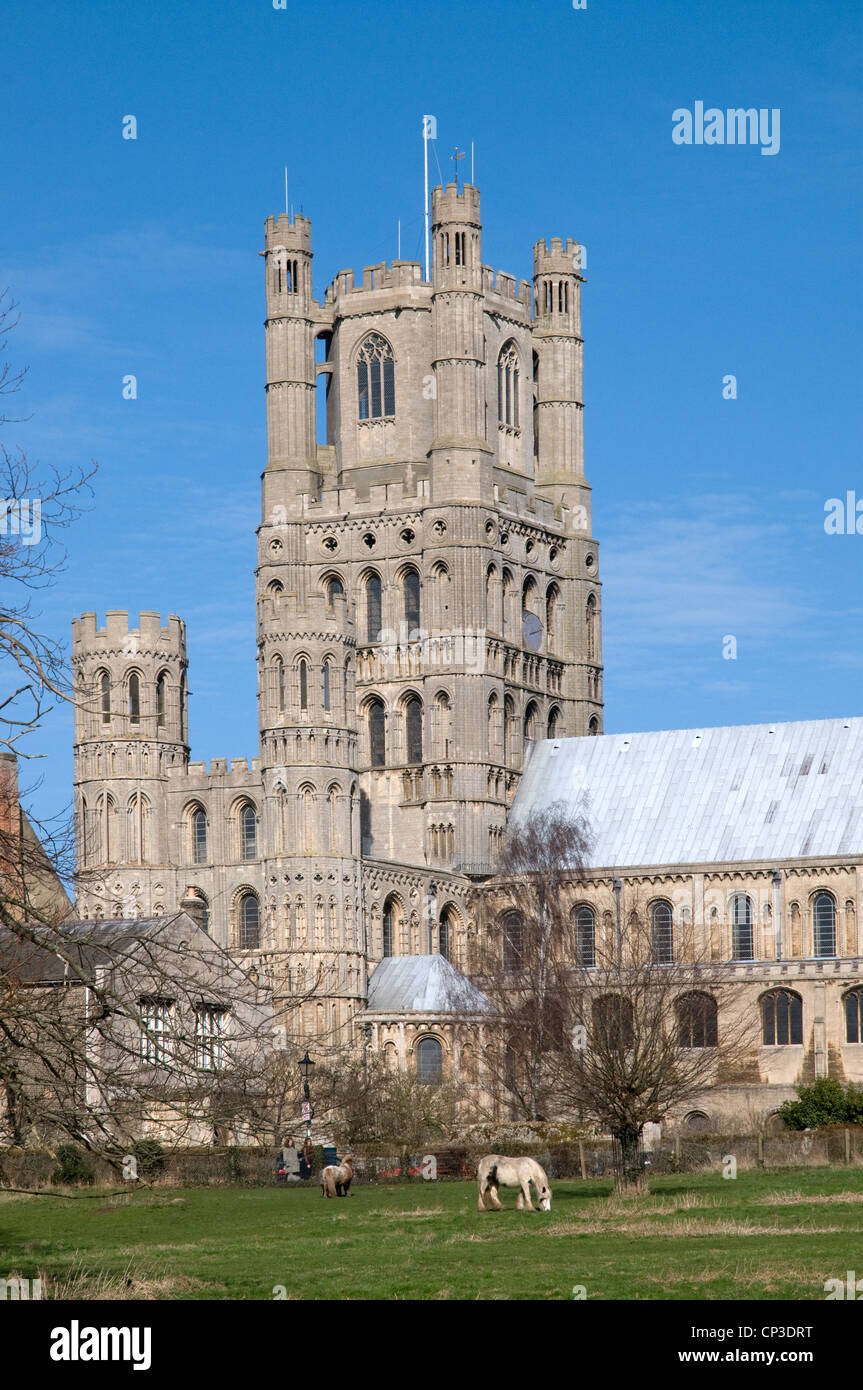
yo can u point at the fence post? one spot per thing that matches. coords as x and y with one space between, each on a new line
677 1151
760 1149
581 1158
847 1146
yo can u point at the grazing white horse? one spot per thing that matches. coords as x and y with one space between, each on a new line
494 1171
336 1178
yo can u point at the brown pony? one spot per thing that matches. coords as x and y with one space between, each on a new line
336 1178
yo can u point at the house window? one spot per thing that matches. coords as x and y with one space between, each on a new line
741 928
824 925
250 923
697 1021
376 391
782 1018
585 937
156 1020
429 1060
209 1039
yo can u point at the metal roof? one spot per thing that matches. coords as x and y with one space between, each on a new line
422 984
697 796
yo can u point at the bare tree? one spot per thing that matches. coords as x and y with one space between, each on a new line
612 1025
36 502
521 956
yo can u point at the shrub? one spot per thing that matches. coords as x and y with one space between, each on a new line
825 1102
150 1158
73 1167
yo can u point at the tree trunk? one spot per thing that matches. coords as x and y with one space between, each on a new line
631 1176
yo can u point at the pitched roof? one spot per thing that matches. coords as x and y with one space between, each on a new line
695 796
422 984
39 954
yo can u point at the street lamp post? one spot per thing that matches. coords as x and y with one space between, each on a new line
305 1066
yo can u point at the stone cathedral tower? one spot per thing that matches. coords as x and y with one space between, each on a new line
428 602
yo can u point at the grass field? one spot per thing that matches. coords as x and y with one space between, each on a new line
761 1236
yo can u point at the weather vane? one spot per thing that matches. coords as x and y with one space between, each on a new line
459 154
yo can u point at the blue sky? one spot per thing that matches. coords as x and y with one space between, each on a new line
141 257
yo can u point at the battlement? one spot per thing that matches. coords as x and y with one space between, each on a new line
538 511
317 612
150 633
395 275
502 286
560 258
448 205
238 771
294 233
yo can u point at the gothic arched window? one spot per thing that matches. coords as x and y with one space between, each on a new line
697 1020
824 925
388 928
742 947
429 1060
377 734
781 1018
613 1025
161 692
250 923
445 933
199 836
105 694
248 832
134 698
661 933
304 683
553 721
335 589
585 937
513 935
591 616
376 389
854 1016
411 590
507 385
373 608
325 682
414 730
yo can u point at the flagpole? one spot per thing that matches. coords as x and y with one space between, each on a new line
426 208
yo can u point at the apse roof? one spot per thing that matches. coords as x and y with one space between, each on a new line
422 984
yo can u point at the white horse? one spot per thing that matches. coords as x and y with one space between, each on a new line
494 1171
336 1178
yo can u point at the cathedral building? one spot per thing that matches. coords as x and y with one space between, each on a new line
428 605
429 664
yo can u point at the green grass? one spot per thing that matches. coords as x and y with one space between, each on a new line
761 1236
